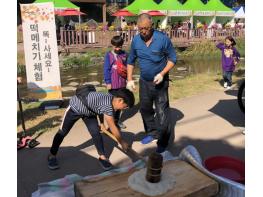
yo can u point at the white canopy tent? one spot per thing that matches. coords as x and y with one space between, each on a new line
240 13
239 17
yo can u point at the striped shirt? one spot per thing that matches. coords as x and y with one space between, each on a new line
101 103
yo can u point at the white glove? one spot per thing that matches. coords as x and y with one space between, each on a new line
130 85
158 79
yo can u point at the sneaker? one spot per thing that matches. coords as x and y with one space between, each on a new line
52 163
105 164
228 88
148 139
160 149
225 84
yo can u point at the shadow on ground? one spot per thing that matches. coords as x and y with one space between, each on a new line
229 110
175 115
206 148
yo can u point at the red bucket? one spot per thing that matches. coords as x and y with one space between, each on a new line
227 167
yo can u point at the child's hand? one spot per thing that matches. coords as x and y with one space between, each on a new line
124 145
19 80
235 61
102 127
108 86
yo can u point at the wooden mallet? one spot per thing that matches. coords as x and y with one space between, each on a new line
130 150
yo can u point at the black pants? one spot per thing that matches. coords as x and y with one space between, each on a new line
69 120
157 94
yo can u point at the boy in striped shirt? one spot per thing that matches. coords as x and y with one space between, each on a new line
96 103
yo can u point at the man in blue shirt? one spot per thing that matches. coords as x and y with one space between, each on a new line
156 56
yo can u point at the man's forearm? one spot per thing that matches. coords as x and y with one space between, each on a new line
168 67
129 72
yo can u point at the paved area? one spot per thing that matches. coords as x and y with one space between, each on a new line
211 121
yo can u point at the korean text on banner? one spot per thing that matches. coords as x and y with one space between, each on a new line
41 52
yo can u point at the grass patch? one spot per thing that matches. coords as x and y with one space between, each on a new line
21 58
192 85
19 34
38 121
195 84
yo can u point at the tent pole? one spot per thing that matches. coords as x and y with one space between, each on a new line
212 22
192 20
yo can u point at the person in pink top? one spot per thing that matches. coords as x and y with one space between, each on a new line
114 81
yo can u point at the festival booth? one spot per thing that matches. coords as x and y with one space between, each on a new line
139 5
239 18
223 13
193 10
174 11
142 6
239 12
201 13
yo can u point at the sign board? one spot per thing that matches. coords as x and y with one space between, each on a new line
179 12
225 13
204 13
41 52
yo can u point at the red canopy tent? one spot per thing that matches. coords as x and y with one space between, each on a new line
155 13
69 12
123 13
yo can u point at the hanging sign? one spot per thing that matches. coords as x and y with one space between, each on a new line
225 13
204 13
41 52
179 13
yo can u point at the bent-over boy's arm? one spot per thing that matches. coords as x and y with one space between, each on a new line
111 123
116 132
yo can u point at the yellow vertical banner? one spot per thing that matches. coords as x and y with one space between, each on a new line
41 51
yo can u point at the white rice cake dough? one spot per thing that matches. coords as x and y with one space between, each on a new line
138 182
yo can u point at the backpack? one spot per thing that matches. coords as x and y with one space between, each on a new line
82 91
121 68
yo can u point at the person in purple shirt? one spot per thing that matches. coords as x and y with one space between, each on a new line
230 58
113 80
156 56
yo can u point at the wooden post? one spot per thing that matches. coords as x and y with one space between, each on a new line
80 38
61 36
104 13
154 168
